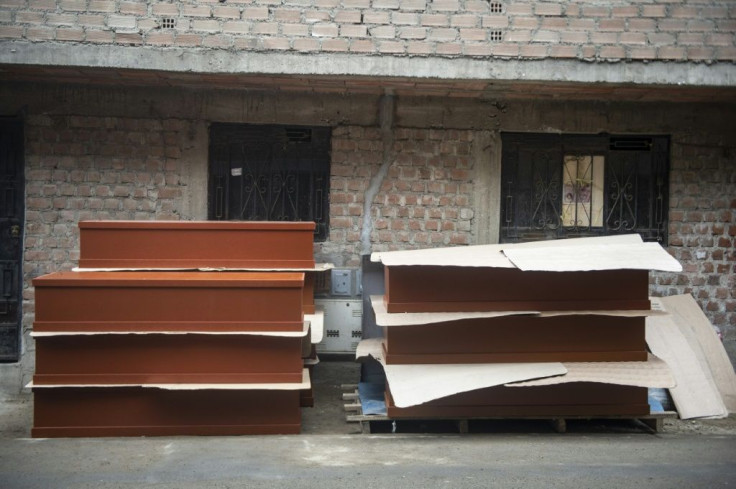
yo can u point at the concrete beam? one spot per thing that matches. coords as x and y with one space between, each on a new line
272 63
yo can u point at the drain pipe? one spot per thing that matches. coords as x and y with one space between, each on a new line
386 121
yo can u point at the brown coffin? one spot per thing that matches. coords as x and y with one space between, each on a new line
513 339
468 289
138 411
157 358
573 399
169 301
190 244
308 293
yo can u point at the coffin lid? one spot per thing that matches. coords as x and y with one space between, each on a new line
172 279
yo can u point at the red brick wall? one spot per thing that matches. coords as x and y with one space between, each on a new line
678 30
703 225
424 201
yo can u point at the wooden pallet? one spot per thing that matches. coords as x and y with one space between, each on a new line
354 414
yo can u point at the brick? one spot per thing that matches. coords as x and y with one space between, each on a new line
325 30
574 37
617 25
654 11
533 51
295 30
612 52
275 43
133 8
625 11
236 27
563 51
473 35
40 33
519 8
642 25
495 21
554 23
442 34
546 37
255 13
265 28
335 45
121 22
595 11
222 12
413 33
128 38
61 19
399 18
362 46
551 9
661 39
91 20
11 32
66 34
217 41
385 4
434 20
188 39
103 37
73 5
445 5
165 9
348 17
718 39
371 17
700 25
362 4
391 47
477 49
464 21
200 11
525 23
39 4
518 36
351 30
671 53
413 5
669 25
209 25
383 32
419 48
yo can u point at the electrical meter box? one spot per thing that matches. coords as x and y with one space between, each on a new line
343 326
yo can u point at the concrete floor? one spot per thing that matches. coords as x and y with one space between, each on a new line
331 453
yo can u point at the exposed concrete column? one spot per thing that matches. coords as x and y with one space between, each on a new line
487 164
386 109
194 172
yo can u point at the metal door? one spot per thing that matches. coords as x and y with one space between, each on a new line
11 236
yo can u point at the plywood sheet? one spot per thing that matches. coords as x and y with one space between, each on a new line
652 373
696 395
416 384
708 348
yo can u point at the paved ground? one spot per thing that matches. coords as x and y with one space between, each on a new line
331 454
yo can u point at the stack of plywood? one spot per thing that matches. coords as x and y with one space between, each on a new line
147 339
468 330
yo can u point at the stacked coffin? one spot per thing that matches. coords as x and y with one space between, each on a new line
543 329
144 339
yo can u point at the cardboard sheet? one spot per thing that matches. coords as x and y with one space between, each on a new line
696 395
708 348
416 384
280 334
319 267
317 323
487 255
304 384
652 373
384 318
614 256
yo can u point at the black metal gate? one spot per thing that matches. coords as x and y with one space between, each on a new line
557 186
270 173
11 236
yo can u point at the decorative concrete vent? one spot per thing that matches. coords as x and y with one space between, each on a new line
496 7
496 35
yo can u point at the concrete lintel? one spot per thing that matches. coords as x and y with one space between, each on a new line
271 63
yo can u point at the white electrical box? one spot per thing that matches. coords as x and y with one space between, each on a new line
343 325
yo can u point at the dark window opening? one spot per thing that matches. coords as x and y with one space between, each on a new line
557 186
270 173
